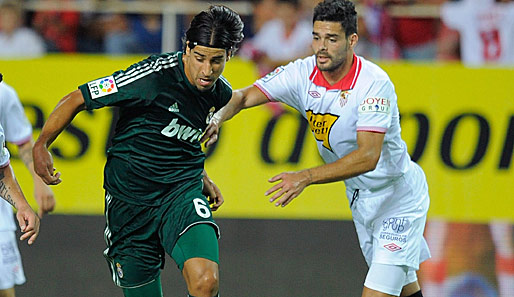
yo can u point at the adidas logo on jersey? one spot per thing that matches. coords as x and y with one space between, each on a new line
174 107
182 132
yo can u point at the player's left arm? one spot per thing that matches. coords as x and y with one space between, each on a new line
43 194
361 160
212 192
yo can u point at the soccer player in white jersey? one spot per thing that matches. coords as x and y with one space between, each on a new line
486 30
352 110
10 267
17 130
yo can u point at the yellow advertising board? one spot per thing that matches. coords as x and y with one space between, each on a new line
458 124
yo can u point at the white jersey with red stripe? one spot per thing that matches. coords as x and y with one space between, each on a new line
486 30
17 130
363 100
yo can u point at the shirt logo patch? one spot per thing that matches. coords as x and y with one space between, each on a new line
392 247
320 124
343 99
102 87
210 115
272 74
375 104
314 94
174 107
119 270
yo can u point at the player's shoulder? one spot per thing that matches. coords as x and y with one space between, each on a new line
151 67
371 72
302 66
7 93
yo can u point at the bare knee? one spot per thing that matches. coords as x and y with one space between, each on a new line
202 277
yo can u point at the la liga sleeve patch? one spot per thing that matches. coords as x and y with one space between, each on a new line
375 105
102 87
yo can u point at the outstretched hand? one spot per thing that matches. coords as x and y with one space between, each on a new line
44 165
290 186
29 223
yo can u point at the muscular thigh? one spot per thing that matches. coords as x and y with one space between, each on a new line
133 252
189 230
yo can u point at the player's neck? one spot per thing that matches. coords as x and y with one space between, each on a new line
337 74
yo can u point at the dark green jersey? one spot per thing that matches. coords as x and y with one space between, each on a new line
156 153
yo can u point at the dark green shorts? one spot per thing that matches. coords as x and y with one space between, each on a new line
138 237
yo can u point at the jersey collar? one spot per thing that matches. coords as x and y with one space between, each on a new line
346 83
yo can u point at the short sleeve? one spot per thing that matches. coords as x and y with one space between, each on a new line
135 86
282 85
375 111
4 153
17 128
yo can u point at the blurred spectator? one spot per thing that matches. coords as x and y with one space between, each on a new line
119 38
17 41
415 36
376 32
285 38
263 11
133 34
486 30
58 28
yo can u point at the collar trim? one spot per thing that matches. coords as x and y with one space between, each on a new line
346 83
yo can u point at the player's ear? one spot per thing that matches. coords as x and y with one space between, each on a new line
353 39
187 50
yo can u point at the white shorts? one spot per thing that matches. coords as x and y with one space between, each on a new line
11 270
390 222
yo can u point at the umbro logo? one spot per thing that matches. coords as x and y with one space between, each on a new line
314 94
392 247
174 107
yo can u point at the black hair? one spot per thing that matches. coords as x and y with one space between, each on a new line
1 77
217 27
341 11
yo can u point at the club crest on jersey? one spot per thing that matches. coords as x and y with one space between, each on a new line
102 87
375 104
210 115
343 97
320 124
272 74
119 270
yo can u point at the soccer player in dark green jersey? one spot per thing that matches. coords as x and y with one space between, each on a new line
157 192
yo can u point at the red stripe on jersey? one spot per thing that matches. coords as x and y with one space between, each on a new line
346 83
23 141
270 98
372 129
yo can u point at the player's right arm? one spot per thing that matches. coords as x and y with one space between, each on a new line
243 98
11 192
58 120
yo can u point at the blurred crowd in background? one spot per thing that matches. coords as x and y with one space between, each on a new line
476 32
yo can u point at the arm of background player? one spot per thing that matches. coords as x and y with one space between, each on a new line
241 99
361 160
59 119
11 192
43 194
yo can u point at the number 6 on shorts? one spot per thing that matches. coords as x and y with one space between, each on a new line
202 209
